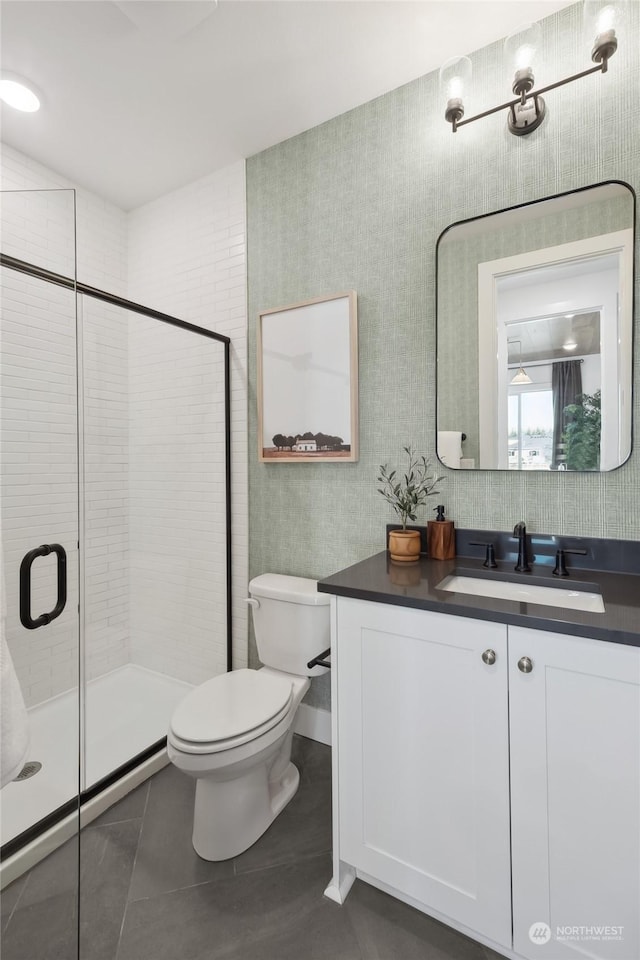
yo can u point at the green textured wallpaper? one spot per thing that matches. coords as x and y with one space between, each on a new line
358 203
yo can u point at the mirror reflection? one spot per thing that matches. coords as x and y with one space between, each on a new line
534 335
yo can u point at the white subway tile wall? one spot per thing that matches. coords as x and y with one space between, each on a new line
104 441
177 505
183 254
38 474
187 257
31 233
39 226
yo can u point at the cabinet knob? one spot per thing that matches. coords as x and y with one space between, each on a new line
525 664
489 656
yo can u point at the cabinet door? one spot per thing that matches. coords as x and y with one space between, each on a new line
423 759
575 781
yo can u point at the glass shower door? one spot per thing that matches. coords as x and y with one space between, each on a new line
154 522
39 539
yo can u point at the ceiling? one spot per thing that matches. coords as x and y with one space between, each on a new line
143 96
544 338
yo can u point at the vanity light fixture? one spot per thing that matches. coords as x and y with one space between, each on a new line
18 93
527 110
521 375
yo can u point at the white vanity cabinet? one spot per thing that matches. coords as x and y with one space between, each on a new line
423 759
484 792
575 795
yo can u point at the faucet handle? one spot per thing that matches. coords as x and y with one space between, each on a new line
560 569
490 555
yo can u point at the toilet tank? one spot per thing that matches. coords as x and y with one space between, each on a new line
291 622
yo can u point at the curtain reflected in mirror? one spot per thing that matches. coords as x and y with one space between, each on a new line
567 394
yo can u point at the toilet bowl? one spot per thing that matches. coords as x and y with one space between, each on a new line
234 732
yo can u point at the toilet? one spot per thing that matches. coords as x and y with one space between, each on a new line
234 732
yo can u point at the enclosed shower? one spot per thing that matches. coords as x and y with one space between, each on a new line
115 517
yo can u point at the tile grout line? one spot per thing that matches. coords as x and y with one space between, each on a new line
94 825
293 860
245 873
133 867
190 886
15 906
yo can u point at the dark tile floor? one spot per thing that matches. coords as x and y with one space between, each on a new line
145 894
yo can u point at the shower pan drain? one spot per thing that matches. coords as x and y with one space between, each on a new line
29 770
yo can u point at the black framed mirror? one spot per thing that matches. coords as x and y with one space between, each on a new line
534 321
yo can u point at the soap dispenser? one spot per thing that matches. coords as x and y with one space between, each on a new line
441 538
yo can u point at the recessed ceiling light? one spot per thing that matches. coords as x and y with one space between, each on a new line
18 93
569 345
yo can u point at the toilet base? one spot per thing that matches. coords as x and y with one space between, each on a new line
230 816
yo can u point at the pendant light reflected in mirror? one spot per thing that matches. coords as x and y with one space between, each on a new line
521 375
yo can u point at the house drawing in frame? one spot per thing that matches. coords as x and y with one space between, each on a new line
308 381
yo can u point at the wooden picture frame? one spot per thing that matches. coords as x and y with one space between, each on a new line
307 383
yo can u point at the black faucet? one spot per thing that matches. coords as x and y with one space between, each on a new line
520 534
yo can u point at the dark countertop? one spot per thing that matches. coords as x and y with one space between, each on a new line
381 580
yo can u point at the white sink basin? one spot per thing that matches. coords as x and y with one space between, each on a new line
524 593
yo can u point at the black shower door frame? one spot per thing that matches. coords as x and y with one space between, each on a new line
31 270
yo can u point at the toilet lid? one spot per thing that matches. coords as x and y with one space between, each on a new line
230 705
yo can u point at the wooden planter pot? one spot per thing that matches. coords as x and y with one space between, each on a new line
404 545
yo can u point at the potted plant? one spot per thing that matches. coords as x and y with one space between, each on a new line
582 434
406 494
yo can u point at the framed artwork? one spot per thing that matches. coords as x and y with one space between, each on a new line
308 381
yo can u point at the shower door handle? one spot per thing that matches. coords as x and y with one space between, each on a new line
25 585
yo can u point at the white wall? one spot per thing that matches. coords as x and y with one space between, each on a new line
105 440
187 257
39 475
177 508
184 254
39 466
30 234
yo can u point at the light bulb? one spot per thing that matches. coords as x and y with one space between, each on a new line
455 79
606 19
16 93
455 88
601 21
520 47
523 56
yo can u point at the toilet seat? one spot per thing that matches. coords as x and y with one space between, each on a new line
230 710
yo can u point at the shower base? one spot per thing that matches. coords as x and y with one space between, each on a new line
127 711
